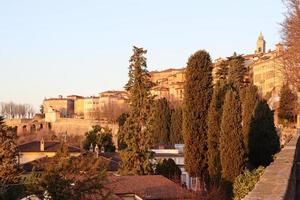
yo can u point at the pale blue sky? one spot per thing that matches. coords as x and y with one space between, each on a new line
52 47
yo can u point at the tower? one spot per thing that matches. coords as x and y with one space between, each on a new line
260 44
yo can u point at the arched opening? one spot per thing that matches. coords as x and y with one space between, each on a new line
24 129
32 128
49 126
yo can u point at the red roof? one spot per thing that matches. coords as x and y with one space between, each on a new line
147 187
50 146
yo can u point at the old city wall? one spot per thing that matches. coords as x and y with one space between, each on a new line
279 179
70 126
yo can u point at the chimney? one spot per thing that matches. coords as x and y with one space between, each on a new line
42 145
91 148
96 151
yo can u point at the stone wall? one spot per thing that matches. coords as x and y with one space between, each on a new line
279 179
81 126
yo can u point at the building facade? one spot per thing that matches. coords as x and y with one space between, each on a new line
169 84
267 72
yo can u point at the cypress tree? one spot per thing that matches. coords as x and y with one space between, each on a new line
161 122
249 96
198 91
231 138
135 159
176 136
287 104
237 70
263 138
222 70
214 129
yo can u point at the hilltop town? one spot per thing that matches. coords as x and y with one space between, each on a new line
213 129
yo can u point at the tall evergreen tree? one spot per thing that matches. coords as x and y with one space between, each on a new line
176 135
198 91
237 70
137 137
214 129
161 122
263 139
222 70
250 97
287 104
9 170
231 138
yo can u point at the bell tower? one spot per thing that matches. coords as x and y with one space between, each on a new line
260 44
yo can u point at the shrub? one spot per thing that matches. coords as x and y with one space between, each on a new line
245 182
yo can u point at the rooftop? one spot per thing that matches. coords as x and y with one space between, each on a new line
50 146
148 187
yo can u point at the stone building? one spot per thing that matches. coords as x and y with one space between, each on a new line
64 105
169 84
267 72
118 98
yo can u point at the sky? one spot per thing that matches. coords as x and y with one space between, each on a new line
62 47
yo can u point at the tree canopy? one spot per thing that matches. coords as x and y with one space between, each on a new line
198 91
137 136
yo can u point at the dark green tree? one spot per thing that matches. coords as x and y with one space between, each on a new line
232 152
121 121
214 129
137 136
287 104
237 70
72 179
176 135
249 96
9 169
168 169
263 138
100 136
161 122
198 92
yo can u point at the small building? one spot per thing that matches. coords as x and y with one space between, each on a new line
39 149
175 154
52 115
146 187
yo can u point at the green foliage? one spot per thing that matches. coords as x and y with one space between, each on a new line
214 129
136 130
263 138
231 139
72 179
287 104
237 70
176 135
168 169
198 91
9 169
250 97
245 183
100 136
121 121
161 122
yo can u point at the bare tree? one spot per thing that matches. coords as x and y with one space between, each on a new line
291 38
13 110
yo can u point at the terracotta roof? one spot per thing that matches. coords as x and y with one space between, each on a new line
110 159
50 146
147 187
